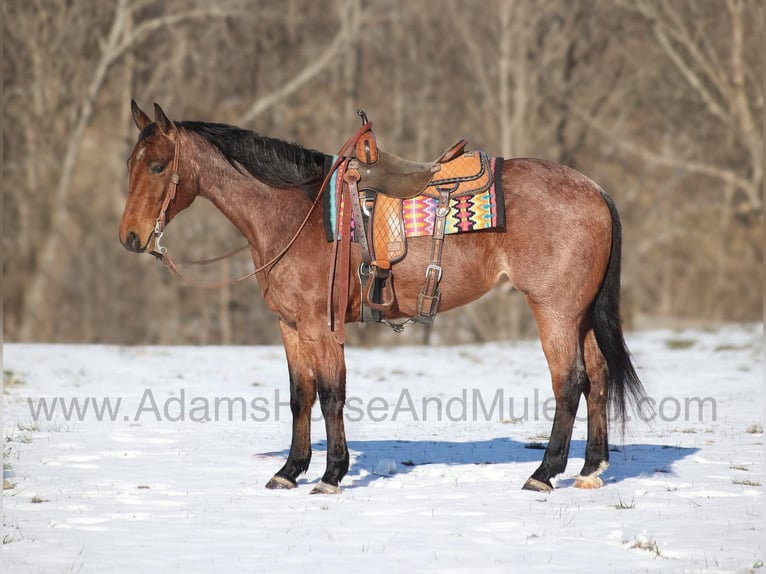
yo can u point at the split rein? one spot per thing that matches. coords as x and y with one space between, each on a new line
161 252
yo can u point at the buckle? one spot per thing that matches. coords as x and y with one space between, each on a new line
364 271
434 267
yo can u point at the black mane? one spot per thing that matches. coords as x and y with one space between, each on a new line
274 162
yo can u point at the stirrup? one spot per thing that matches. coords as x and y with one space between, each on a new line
387 291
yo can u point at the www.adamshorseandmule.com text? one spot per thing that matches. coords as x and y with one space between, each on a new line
469 405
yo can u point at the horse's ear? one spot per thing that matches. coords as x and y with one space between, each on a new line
141 119
165 125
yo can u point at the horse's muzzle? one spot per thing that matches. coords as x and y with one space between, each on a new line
133 243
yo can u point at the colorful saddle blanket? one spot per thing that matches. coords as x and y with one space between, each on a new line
472 207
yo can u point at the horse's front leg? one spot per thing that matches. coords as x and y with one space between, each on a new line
330 369
303 390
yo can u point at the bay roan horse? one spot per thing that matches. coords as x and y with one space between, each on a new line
560 247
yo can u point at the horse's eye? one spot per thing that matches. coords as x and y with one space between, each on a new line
157 167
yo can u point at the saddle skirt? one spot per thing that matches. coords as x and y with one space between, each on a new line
467 174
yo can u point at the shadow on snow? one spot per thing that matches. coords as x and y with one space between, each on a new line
626 461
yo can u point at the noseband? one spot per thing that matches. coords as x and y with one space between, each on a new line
159 226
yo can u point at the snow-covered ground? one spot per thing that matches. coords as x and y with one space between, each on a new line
171 479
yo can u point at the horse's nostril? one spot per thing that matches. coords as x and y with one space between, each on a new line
133 242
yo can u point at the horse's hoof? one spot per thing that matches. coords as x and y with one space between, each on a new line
537 485
588 482
324 488
593 479
280 483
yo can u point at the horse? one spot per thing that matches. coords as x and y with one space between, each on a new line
560 247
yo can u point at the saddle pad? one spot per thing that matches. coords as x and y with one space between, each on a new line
482 210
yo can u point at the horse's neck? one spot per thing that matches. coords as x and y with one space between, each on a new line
266 216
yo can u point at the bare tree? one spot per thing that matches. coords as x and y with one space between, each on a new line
52 96
710 54
659 101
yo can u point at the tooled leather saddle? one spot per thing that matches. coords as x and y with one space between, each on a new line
375 183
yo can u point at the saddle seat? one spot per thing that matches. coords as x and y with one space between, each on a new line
401 178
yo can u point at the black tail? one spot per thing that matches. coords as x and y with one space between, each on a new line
624 384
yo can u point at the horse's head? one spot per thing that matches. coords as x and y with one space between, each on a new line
156 193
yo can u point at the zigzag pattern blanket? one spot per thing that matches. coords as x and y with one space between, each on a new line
481 211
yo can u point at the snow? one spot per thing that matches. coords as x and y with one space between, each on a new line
170 483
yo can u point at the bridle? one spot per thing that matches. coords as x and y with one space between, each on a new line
159 226
161 252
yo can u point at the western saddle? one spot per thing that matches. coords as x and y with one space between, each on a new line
375 183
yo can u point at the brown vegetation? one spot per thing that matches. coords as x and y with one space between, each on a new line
659 101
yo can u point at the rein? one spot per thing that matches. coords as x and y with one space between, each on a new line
161 252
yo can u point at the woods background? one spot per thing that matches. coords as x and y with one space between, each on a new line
660 102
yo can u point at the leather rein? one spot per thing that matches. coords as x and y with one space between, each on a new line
161 252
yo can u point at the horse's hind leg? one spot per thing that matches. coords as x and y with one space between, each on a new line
560 336
302 395
597 449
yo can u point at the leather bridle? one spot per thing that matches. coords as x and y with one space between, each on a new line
161 252
159 226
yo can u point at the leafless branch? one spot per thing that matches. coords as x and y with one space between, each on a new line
349 23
